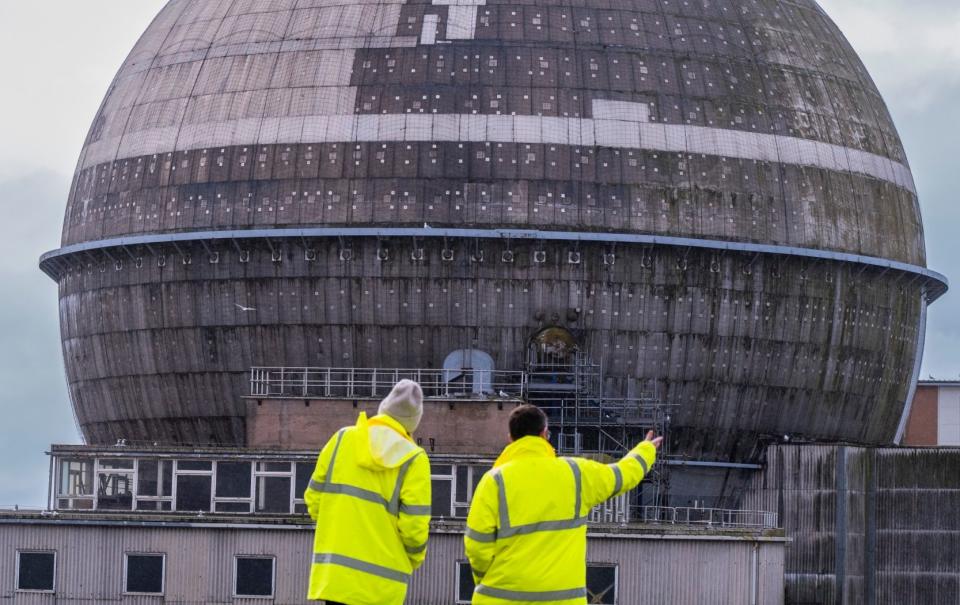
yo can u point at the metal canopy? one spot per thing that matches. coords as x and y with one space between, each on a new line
937 284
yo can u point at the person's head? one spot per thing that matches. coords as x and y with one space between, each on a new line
527 421
404 404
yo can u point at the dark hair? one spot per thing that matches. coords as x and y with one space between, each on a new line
527 420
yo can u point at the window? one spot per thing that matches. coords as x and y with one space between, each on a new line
154 478
442 491
114 484
303 476
193 492
194 479
948 417
194 465
233 479
465 583
154 485
36 571
274 481
461 501
602 584
453 487
273 494
254 576
76 484
234 486
144 573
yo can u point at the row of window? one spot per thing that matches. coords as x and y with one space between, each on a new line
223 486
145 573
253 576
243 487
183 485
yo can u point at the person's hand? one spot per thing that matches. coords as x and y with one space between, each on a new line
656 441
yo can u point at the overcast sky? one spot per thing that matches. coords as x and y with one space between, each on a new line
57 59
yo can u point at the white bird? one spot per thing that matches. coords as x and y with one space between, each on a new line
426 226
244 309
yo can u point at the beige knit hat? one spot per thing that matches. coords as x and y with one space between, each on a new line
404 404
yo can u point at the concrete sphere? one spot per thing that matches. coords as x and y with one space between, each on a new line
709 194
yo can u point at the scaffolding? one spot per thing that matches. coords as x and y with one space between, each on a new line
569 389
567 385
375 383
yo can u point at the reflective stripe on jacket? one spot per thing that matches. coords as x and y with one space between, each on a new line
370 497
526 535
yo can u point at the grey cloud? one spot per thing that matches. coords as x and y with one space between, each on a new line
910 48
34 401
932 144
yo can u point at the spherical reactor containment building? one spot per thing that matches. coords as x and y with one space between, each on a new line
710 196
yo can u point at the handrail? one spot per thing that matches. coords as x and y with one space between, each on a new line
709 517
374 383
17 508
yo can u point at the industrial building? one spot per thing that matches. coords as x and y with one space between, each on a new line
934 418
694 216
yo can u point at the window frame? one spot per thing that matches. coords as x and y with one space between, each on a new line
458 500
461 563
164 498
452 480
250 500
35 551
236 577
616 577
163 574
298 499
178 472
130 474
258 474
63 463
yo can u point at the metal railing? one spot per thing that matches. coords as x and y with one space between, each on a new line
375 383
705 517
17 508
627 412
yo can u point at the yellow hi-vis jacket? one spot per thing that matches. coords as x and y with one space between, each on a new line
526 535
370 497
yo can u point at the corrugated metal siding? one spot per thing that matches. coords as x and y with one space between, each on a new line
694 571
800 484
918 526
684 570
885 530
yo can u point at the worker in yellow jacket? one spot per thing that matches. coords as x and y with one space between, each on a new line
370 497
526 535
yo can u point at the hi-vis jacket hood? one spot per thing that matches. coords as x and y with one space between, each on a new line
383 443
525 447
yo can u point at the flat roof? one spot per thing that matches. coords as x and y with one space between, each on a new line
303 523
219 453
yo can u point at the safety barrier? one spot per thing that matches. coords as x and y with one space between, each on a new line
375 383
